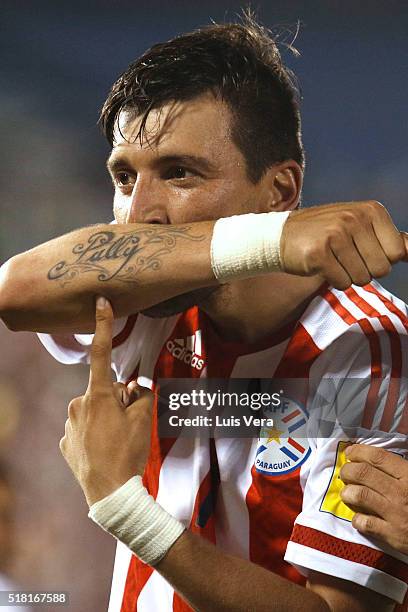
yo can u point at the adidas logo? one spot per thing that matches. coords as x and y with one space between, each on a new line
187 350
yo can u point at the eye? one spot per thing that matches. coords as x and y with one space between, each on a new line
124 179
179 172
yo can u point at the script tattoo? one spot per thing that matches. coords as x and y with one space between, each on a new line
132 252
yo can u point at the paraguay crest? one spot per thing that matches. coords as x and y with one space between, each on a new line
284 447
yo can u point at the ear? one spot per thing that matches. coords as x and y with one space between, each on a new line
283 184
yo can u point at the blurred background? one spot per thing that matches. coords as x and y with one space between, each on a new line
58 61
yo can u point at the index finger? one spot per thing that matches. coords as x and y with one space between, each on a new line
100 372
386 461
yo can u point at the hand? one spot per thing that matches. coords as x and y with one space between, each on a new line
107 433
377 489
344 243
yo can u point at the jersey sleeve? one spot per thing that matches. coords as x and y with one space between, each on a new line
136 346
359 395
75 348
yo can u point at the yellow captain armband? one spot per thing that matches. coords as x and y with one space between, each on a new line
332 502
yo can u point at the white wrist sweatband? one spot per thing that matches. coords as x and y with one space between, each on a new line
136 519
247 245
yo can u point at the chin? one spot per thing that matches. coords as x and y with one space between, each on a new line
179 303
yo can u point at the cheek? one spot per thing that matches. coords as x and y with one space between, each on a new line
212 202
186 205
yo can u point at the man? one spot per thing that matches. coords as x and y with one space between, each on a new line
203 127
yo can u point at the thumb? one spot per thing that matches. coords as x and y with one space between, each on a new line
141 399
134 391
121 393
137 392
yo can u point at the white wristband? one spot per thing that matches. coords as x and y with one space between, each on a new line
136 519
247 245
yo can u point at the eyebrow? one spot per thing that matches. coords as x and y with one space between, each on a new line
116 162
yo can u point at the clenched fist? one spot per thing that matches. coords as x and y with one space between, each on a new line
343 243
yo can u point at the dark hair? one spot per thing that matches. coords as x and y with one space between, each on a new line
240 64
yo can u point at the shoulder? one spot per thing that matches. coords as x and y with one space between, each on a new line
357 314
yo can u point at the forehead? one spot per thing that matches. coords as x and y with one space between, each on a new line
199 125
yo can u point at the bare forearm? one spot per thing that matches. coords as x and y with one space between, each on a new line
52 287
209 579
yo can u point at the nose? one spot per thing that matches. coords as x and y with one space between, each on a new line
147 202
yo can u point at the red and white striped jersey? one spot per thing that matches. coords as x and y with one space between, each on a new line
273 500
